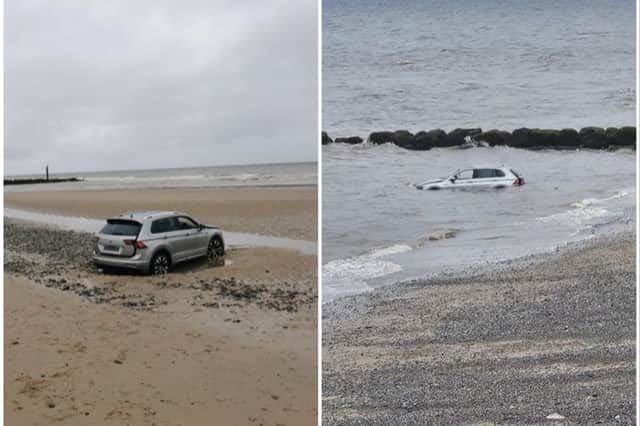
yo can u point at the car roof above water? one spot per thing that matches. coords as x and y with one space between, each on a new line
486 166
147 215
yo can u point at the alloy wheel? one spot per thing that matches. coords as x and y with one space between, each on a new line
160 265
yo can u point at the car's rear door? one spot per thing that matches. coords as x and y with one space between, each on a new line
484 177
488 177
167 233
117 238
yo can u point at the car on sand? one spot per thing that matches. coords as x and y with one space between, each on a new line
154 241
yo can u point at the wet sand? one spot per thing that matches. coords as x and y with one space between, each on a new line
278 211
69 361
232 344
510 344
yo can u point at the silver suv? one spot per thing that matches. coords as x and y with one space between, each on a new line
155 241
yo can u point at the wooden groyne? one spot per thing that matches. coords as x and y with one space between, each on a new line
29 181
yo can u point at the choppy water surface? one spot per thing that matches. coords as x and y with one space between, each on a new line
289 174
378 229
423 64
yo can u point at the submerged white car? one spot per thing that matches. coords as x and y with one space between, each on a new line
476 177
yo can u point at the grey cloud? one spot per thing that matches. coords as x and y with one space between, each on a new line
185 83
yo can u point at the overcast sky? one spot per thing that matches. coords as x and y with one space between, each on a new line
104 85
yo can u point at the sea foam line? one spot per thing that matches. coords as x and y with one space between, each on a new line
348 276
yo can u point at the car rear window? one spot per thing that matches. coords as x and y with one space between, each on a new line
128 228
167 224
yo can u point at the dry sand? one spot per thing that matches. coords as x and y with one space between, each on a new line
280 211
235 344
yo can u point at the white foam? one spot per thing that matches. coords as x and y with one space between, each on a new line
577 217
583 212
388 251
587 202
343 277
129 178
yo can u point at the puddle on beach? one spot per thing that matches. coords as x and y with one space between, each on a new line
234 239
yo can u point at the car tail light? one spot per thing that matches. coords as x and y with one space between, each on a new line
137 244
516 182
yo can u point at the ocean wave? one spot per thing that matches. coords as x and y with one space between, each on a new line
587 202
585 211
242 177
342 277
130 178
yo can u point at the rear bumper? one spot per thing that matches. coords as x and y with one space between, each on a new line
115 262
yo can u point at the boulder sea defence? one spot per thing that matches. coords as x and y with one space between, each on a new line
610 138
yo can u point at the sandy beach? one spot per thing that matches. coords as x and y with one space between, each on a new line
279 211
232 344
550 335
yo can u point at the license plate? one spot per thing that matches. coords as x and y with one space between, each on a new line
110 248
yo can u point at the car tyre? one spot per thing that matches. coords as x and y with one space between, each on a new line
215 251
160 264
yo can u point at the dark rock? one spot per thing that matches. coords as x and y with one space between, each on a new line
352 140
593 137
403 138
568 138
493 137
379 138
624 136
539 138
423 141
326 140
456 136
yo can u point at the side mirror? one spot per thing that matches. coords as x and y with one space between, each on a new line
201 226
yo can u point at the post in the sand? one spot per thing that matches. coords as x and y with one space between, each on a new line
46 172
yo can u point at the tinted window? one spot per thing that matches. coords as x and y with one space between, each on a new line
167 224
121 227
186 223
487 173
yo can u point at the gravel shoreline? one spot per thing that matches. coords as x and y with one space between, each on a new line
61 260
513 343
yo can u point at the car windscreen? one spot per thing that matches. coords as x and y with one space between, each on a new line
129 228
